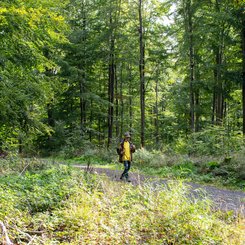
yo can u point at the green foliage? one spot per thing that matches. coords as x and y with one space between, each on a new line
13 164
143 157
221 170
29 35
213 140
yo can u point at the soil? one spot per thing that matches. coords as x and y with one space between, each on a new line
222 199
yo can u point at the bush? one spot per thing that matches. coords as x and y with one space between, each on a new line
145 158
214 141
15 164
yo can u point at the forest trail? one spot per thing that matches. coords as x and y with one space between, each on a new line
225 200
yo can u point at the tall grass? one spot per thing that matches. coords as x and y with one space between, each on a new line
71 207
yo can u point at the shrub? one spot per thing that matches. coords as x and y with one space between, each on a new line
214 140
142 157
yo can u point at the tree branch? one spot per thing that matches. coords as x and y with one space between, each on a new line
4 232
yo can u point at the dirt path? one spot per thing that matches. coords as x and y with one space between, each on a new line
226 200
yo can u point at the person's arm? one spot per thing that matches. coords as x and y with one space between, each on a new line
132 147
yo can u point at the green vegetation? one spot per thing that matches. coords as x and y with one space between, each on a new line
69 75
223 171
52 204
76 74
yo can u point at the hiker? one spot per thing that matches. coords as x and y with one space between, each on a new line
126 149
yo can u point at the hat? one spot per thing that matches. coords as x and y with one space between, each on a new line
127 135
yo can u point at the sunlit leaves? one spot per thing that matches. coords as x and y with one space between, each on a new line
30 35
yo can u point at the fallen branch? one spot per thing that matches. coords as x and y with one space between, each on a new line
24 169
4 232
31 238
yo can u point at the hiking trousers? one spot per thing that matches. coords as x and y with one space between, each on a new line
127 165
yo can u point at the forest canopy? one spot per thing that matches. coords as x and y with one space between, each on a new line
172 73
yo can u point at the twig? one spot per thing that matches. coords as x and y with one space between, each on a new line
4 231
31 238
24 169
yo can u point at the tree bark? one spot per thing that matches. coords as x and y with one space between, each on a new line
122 103
243 70
83 73
130 101
142 75
111 82
219 87
197 105
191 66
117 103
156 115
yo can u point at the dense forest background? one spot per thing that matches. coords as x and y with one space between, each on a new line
81 73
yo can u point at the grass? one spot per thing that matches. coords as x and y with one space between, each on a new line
58 205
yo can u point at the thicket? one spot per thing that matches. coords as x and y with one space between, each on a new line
60 205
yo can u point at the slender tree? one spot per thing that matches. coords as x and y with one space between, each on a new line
142 73
111 82
243 68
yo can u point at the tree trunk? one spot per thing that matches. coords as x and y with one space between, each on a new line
130 101
82 103
142 75
197 105
213 105
83 75
111 85
219 102
117 103
91 120
243 71
219 88
191 66
122 103
156 123
51 121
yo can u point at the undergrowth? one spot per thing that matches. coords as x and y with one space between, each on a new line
59 205
224 171
228 171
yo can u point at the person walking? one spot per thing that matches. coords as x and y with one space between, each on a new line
126 149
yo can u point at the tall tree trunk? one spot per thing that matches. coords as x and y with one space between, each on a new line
243 70
191 65
218 50
122 103
83 71
213 105
130 100
51 121
197 105
156 123
82 102
142 75
117 103
111 82
219 87
91 120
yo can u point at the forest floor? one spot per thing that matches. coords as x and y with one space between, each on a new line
222 199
